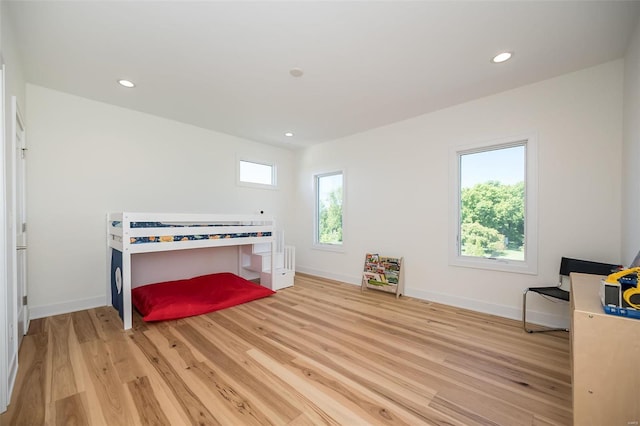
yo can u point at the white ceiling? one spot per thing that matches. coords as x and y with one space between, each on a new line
224 65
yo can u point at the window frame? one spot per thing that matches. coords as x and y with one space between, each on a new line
274 173
316 215
530 263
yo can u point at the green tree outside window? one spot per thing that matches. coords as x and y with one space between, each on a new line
329 193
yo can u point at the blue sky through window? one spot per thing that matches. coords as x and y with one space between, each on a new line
256 173
506 165
327 184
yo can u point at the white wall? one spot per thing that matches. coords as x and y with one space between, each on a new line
397 183
631 152
88 158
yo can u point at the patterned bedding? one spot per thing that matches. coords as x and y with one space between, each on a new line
172 238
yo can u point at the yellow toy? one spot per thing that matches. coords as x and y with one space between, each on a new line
628 293
613 278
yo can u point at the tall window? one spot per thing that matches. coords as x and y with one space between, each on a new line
256 174
495 203
329 203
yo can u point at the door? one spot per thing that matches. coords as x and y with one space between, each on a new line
20 215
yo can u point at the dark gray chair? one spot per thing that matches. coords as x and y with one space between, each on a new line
567 266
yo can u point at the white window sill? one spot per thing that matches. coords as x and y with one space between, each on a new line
338 248
504 265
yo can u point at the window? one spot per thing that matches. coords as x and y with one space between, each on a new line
329 209
252 173
495 206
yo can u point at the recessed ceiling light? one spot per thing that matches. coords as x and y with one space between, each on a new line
296 72
126 83
288 134
501 57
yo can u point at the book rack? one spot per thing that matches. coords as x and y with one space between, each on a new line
383 273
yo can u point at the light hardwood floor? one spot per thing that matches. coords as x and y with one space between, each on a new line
320 352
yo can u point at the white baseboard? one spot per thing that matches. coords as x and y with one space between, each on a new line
43 311
533 317
329 275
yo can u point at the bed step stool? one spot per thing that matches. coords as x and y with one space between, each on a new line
285 269
284 276
258 259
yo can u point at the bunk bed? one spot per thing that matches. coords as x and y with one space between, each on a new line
129 234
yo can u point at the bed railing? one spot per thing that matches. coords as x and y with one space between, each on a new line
289 258
142 232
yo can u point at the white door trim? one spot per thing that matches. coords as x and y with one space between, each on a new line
5 384
18 146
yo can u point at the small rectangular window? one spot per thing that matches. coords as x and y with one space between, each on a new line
495 206
329 209
256 174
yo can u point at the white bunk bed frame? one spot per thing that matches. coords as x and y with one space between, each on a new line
121 237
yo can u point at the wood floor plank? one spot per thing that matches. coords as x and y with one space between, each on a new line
146 403
171 406
104 380
225 401
375 409
86 388
63 381
238 405
36 326
28 402
377 379
230 366
382 378
265 375
319 353
451 342
279 386
335 409
197 412
124 363
106 322
70 411
166 338
251 335
83 326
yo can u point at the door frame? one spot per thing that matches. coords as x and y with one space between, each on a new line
19 203
6 383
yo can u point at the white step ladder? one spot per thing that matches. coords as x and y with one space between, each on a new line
257 258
